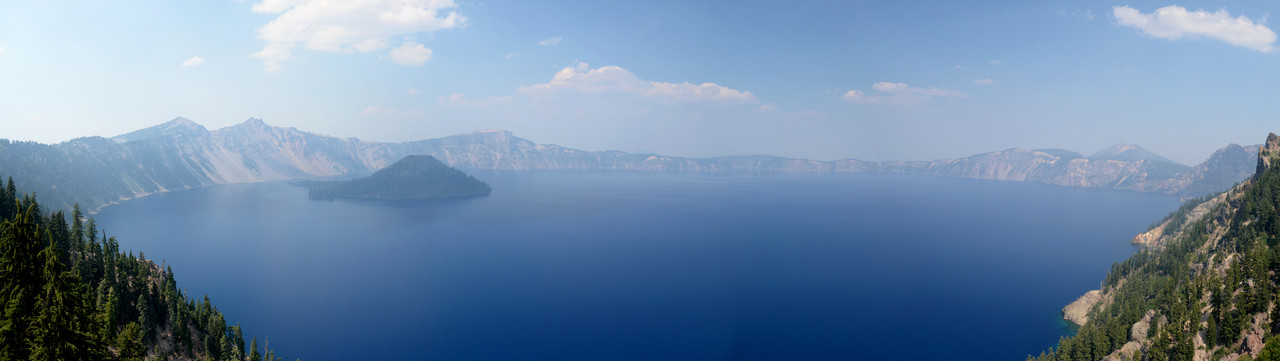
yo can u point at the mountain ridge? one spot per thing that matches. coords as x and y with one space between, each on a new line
181 154
1130 152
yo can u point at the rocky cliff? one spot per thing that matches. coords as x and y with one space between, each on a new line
1204 286
182 154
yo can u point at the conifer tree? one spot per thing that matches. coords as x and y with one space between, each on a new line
237 339
20 281
77 226
129 343
253 350
56 333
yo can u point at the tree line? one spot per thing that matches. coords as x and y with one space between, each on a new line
67 292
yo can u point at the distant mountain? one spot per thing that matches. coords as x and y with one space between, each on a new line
414 177
1128 153
179 154
1223 169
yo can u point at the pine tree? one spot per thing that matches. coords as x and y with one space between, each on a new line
8 201
253 350
20 280
91 231
145 319
56 332
60 235
237 339
129 343
77 226
108 311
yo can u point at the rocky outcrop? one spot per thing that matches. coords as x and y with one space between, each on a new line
1267 153
1078 311
1137 336
1149 237
1156 236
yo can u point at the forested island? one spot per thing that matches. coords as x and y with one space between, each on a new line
1205 286
67 292
414 177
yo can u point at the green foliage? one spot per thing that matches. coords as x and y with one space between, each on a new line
1270 350
1165 281
129 343
66 296
20 281
253 350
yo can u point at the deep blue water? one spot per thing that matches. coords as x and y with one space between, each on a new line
648 266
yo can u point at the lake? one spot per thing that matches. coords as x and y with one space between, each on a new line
647 266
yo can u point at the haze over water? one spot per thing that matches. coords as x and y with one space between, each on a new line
618 265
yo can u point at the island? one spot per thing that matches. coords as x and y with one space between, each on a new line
415 177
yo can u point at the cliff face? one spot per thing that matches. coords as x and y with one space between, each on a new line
182 154
1223 169
1042 166
1203 287
1267 154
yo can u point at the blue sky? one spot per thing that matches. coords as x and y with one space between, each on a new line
824 80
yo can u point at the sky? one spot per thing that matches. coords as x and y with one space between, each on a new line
826 80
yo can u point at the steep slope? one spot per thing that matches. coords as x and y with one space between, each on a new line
1223 169
181 154
415 177
73 295
1204 287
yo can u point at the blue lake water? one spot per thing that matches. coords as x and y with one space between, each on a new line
647 266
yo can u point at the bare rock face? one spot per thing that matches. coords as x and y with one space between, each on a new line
1267 154
1149 238
1078 311
1255 334
1137 335
1140 329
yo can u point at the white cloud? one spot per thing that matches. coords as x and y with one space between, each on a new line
888 87
612 79
455 97
194 61
958 66
899 94
771 107
984 81
347 26
413 91
512 55
854 95
550 42
1175 22
370 45
994 62
410 53
2 50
